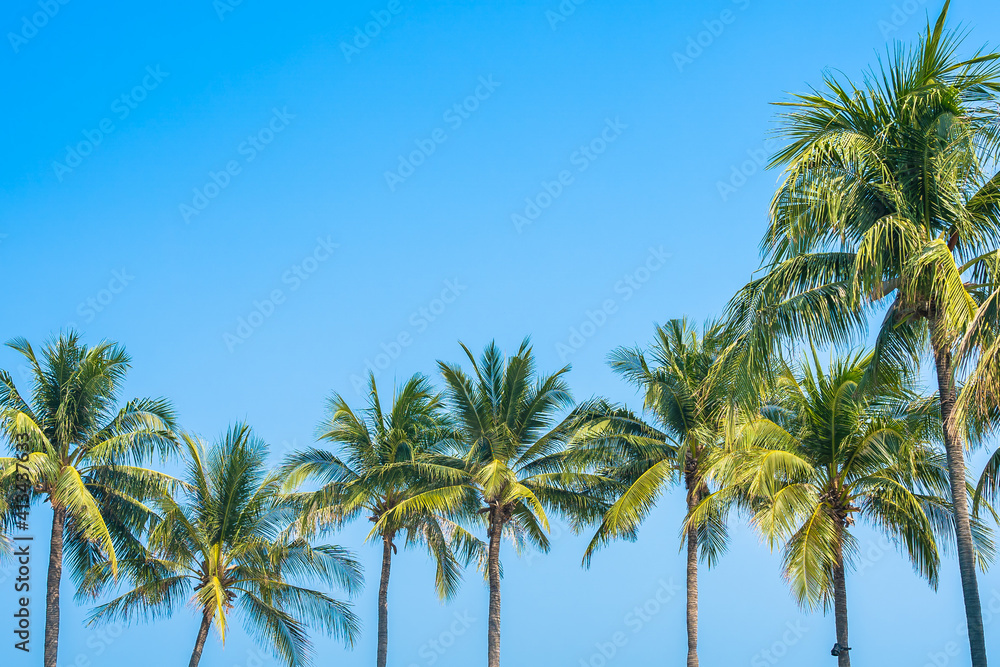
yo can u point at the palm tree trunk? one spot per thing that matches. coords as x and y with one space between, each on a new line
692 596
383 601
953 448
840 601
493 648
692 569
51 646
199 645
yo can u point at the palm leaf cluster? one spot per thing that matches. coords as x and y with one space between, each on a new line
687 406
85 456
387 456
888 210
225 545
510 431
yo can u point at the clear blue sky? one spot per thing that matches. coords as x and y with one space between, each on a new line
619 143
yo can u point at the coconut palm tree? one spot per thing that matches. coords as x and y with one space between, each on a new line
509 446
674 441
887 204
85 455
14 503
225 545
381 463
823 453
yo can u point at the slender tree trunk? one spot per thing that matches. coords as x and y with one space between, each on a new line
840 601
953 448
493 643
692 596
383 601
693 498
51 647
199 645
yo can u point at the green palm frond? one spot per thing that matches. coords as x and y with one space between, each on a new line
388 467
688 406
88 455
810 557
829 449
220 540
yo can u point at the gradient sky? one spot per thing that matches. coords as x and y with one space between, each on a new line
238 151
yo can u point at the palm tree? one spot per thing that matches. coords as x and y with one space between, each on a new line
12 509
382 463
85 455
687 405
886 203
226 544
823 452
509 444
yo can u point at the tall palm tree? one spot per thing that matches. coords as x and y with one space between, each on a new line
509 444
888 204
14 502
823 452
685 414
381 463
86 455
226 544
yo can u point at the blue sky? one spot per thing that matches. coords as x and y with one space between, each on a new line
260 201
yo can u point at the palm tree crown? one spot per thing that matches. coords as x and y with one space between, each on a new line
888 203
86 455
227 545
383 461
822 452
508 447
686 404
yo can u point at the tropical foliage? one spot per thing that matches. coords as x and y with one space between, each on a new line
85 456
508 445
686 410
888 208
823 452
889 204
384 460
225 545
